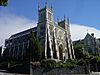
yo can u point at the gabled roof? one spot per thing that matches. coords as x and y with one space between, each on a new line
92 37
88 35
23 32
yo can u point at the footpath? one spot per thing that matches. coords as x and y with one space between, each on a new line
1 73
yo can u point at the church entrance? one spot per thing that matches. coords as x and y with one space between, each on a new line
61 52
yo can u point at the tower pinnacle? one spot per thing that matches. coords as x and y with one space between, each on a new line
64 17
68 20
38 4
57 19
51 7
46 3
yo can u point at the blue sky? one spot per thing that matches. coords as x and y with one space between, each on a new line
86 12
20 15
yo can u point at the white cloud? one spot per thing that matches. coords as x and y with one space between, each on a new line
11 24
80 31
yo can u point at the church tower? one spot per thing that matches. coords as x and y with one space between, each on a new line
55 39
65 24
45 30
69 41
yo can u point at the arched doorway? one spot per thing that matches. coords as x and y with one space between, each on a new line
61 52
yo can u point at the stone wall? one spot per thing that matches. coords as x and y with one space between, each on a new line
58 71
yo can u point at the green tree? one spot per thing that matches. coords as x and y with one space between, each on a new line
78 51
94 59
35 51
81 62
3 2
0 50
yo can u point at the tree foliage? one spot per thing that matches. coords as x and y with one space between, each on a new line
79 51
48 63
35 52
81 62
3 2
70 63
0 50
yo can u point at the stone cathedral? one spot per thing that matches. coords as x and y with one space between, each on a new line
54 38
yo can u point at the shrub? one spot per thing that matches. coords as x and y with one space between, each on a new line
60 64
48 63
71 60
71 65
4 65
81 62
68 64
